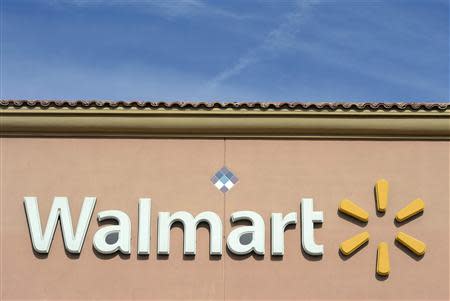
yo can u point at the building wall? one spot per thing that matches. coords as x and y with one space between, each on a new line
273 177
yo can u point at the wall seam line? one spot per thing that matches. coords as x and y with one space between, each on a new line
224 219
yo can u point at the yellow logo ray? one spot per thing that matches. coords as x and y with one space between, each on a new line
383 264
410 210
352 244
353 210
381 190
412 243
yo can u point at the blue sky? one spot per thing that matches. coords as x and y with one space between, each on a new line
318 50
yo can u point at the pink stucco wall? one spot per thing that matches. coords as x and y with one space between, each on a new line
273 176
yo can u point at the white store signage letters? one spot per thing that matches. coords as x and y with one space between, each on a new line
73 241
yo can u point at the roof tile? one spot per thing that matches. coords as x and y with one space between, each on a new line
294 106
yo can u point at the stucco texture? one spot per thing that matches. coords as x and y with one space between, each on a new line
273 177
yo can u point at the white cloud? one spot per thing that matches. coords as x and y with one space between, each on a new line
168 8
279 39
34 79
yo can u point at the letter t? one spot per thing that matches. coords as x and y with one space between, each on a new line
309 218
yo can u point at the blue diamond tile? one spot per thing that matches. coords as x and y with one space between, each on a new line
233 179
225 177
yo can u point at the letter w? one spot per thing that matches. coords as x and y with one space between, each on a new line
60 210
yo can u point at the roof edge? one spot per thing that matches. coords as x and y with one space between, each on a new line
262 106
413 121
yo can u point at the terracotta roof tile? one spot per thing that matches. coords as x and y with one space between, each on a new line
293 106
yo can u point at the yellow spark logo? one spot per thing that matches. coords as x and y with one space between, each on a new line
354 243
